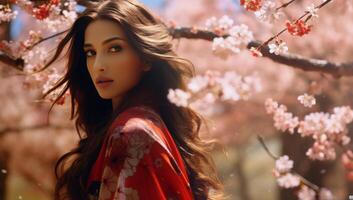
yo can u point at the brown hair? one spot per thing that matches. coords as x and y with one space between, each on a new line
151 39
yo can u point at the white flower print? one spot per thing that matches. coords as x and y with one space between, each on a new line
127 146
131 194
109 184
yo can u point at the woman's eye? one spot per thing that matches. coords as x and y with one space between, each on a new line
116 48
89 53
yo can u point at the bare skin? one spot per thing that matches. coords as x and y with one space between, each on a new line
111 57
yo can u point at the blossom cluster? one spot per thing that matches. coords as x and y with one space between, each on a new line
283 120
326 129
178 97
34 59
287 179
298 27
283 174
6 13
306 193
312 10
18 48
269 12
307 100
251 5
238 36
279 47
60 18
54 15
206 89
43 10
51 80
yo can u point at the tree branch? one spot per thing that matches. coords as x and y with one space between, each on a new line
294 60
307 64
304 180
34 127
16 63
337 70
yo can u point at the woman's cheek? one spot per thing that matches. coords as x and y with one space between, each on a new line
125 78
131 77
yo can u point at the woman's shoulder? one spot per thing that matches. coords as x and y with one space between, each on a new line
139 125
138 112
137 117
142 111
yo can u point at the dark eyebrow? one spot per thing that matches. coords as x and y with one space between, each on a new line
105 41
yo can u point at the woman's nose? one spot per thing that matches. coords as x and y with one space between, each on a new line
99 63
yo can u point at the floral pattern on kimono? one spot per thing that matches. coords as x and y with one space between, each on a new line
141 161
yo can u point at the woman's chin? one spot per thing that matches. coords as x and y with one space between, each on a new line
105 96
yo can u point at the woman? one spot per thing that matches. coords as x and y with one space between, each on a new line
137 144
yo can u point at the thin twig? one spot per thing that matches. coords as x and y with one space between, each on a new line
304 180
262 142
285 29
285 5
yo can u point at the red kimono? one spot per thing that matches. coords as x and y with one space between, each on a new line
139 160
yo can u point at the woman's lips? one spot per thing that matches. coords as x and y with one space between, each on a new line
104 84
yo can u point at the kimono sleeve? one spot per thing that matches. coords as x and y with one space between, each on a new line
140 165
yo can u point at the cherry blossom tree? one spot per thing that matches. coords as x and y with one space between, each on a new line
261 62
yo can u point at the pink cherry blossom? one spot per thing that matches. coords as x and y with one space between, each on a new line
325 194
179 97
326 129
280 48
322 151
312 10
284 164
307 100
305 193
6 14
268 12
239 36
283 120
288 180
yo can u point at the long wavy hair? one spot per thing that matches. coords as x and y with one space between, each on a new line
152 41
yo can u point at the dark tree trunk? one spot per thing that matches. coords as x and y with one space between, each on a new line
296 146
4 158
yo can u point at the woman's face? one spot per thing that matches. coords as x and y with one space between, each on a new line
112 63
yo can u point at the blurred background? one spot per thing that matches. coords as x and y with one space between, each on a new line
29 147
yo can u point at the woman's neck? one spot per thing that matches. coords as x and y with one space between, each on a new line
140 95
116 101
